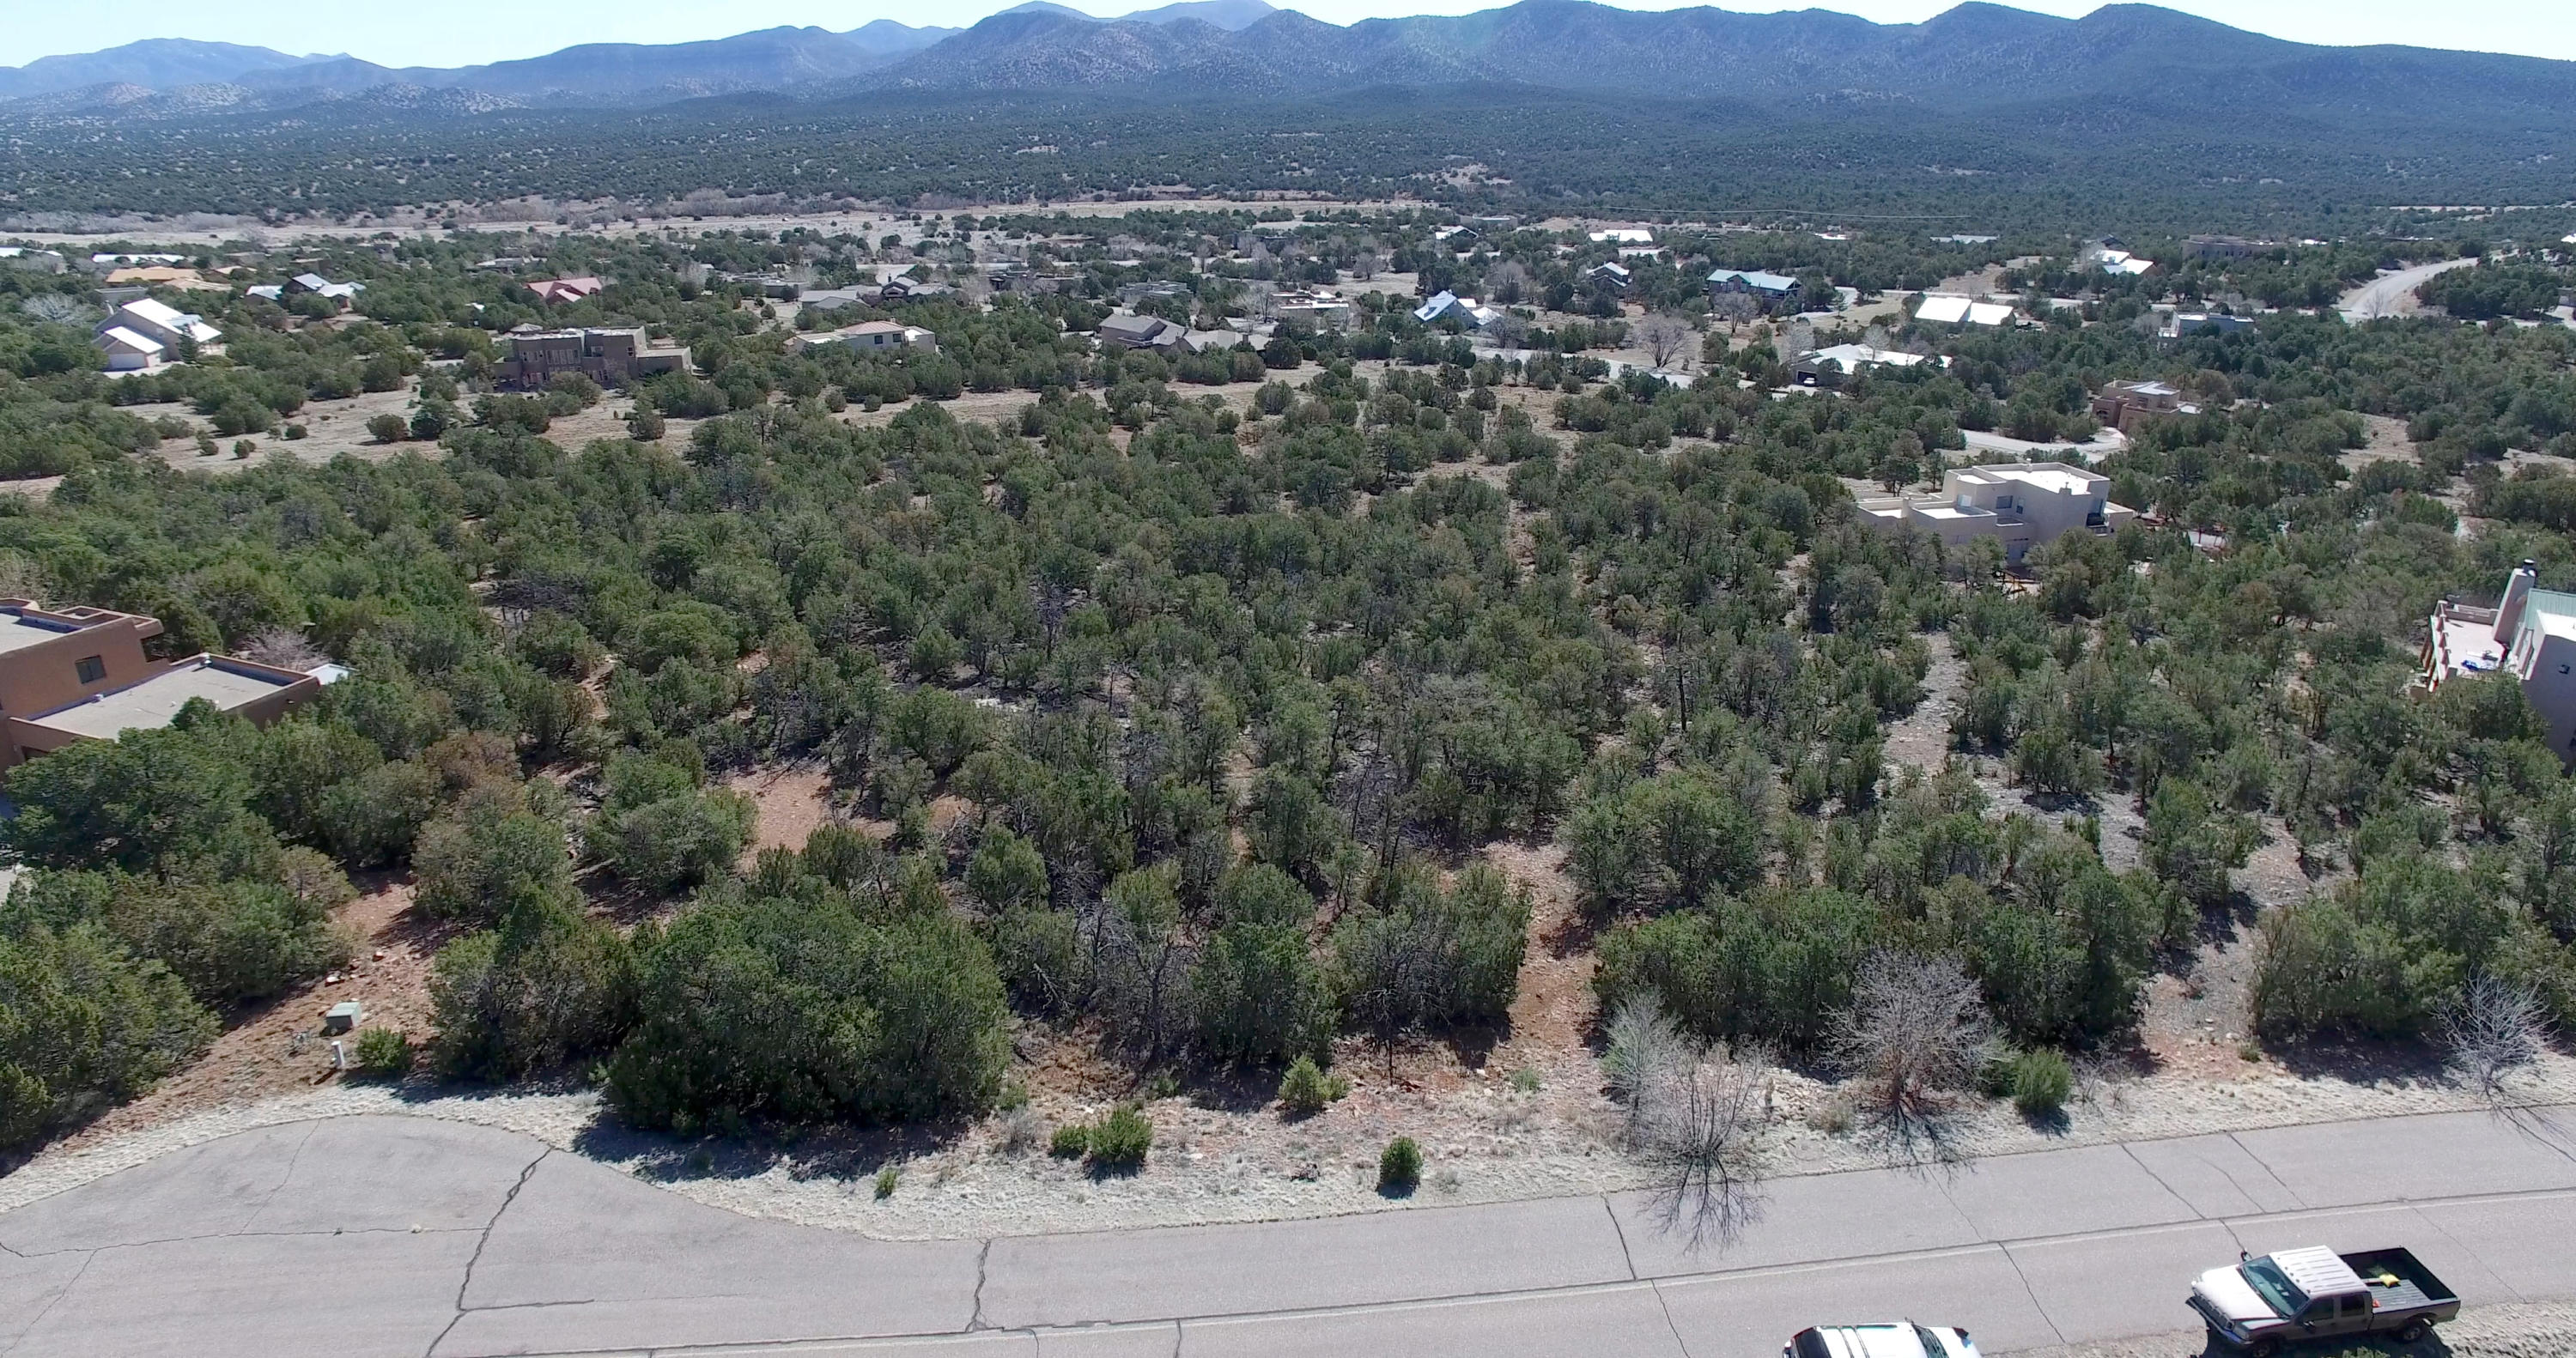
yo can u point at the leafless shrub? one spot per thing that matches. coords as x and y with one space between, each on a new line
1643 1047
283 647
1915 1036
2496 1028
58 308
1663 337
1696 1117
1021 1131
1702 1130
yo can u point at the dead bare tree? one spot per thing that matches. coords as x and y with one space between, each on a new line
283 647
2496 1028
1696 1116
1663 337
1915 1035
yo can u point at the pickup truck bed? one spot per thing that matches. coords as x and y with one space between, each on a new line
2414 1286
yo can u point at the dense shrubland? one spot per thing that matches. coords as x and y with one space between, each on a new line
1231 702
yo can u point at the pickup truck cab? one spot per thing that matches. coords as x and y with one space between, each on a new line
1898 1339
2293 1296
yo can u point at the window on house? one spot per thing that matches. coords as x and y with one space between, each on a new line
91 669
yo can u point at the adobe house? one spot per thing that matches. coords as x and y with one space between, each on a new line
82 674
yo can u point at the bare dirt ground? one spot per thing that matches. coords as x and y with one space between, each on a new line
792 802
278 1048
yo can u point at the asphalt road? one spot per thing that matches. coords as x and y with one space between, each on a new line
426 1239
2386 295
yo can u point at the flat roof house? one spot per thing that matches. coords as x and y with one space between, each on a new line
2189 323
1827 367
2018 504
2530 634
2126 405
609 357
73 674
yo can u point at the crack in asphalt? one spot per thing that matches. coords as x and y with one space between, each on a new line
56 1300
484 1239
293 1158
1665 1305
975 1319
1622 1232
2031 1292
2238 1184
2267 1168
2187 1204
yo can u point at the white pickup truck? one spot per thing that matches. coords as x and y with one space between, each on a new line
2293 1296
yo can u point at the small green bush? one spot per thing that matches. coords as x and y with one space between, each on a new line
1122 1139
384 1052
1072 1141
2041 1082
1399 1169
887 1178
1305 1089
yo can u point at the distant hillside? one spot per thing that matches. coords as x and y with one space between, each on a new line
886 38
2132 109
153 64
1976 56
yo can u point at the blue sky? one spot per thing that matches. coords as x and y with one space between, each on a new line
459 32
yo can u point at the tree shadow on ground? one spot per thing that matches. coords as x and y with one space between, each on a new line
829 1151
2360 1060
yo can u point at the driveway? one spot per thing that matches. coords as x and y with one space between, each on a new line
403 1236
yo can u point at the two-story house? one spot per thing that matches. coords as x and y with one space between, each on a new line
69 674
2020 505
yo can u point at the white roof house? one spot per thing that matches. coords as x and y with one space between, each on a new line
1951 309
129 352
2115 261
161 321
1632 235
130 261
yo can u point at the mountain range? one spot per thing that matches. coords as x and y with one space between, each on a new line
1976 56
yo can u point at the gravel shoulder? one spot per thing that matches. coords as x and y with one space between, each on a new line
1485 1142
